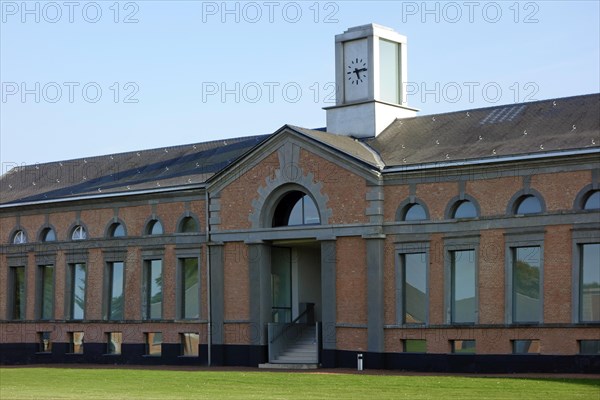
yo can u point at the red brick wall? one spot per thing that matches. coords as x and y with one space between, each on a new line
557 274
393 195
436 197
493 195
351 280
491 277
236 283
236 198
346 191
560 189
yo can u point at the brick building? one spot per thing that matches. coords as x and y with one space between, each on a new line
466 241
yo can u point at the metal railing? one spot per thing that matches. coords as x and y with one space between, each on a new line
282 335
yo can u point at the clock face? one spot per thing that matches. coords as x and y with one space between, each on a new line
357 71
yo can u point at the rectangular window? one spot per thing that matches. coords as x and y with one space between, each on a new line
153 290
78 272
45 344
589 347
153 343
526 346
389 57
46 291
589 301
464 307
463 346
414 288
116 301
76 342
189 344
526 284
115 339
190 289
18 292
415 345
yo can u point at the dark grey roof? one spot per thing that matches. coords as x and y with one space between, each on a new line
487 133
176 166
539 127
345 144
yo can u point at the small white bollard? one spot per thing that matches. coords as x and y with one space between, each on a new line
359 362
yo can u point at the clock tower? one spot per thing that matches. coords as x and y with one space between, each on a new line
370 77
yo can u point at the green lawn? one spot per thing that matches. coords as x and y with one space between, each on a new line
112 384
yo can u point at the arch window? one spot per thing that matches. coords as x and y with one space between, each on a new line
154 228
188 225
296 208
79 233
528 204
464 209
48 235
414 212
116 230
19 237
592 202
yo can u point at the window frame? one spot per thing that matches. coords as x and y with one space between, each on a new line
516 200
150 224
453 343
587 199
451 245
147 337
583 196
112 227
180 287
40 292
79 233
421 247
581 235
406 341
182 221
109 336
514 239
12 281
456 201
406 205
146 288
515 343
18 233
284 198
43 235
109 287
183 338
70 292
45 335
72 344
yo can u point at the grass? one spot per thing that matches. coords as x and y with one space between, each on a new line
113 384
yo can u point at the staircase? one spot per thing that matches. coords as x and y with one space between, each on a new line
302 350
293 346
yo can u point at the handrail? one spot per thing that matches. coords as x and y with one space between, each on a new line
309 307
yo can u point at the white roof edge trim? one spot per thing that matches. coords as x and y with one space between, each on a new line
102 196
443 164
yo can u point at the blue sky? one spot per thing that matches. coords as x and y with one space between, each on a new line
92 78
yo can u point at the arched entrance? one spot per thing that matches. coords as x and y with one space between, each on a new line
294 330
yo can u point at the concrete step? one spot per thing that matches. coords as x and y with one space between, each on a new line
296 360
303 350
288 366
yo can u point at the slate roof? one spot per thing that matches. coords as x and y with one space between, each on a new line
345 144
485 134
176 166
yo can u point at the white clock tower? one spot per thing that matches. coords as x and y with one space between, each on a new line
370 77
